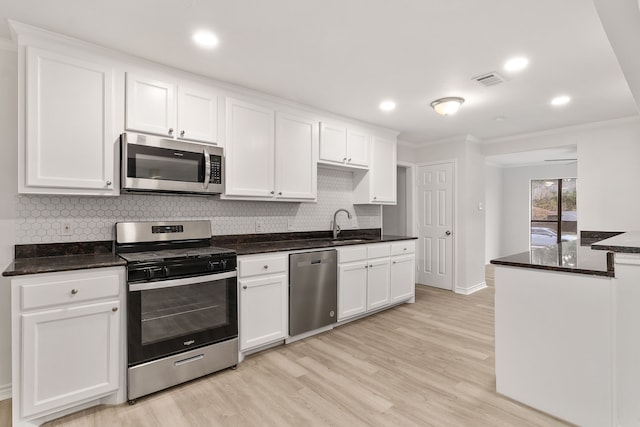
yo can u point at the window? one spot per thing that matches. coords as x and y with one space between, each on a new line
554 216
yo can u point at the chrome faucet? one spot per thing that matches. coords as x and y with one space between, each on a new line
336 227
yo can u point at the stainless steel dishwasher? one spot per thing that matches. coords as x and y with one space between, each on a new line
313 290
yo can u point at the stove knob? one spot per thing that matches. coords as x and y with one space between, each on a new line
149 273
211 266
165 271
223 263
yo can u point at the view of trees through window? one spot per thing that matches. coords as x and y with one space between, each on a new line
554 214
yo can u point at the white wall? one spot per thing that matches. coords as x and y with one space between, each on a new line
394 217
608 170
493 212
469 230
8 190
516 184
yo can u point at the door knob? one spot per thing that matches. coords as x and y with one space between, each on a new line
448 233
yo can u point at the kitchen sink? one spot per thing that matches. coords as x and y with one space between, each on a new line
348 241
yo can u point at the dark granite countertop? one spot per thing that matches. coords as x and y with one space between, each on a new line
52 257
567 257
626 243
250 248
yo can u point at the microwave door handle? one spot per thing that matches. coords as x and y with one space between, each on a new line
207 167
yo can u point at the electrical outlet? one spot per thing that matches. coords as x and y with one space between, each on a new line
290 226
259 226
65 229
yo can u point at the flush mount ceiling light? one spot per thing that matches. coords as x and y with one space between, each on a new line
205 39
516 64
560 100
447 106
387 105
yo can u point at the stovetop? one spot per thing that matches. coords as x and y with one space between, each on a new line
163 255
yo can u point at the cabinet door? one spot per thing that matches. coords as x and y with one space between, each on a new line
296 158
333 143
358 148
69 354
250 150
403 279
263 310
69 116
383 170
378 284
352 289
151 106
197 114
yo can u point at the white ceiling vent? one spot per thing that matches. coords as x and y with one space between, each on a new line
489 79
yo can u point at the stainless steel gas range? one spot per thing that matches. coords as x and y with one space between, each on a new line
182 304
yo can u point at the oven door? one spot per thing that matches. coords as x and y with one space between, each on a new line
172 316
156 164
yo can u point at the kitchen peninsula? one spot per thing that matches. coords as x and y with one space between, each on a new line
564 328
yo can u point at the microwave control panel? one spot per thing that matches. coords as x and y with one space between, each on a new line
216 170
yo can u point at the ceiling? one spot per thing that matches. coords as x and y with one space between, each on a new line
346 56
548 156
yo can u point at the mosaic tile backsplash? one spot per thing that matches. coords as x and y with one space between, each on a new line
40 219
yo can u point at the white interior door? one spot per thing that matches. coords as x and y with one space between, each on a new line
435 225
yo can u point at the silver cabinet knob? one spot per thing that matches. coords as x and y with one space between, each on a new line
404 249
170 131
74 291
265 267
109 183
273 192
344 159
279 193
448 233
366 266
244 287
394 262
370 265
375 197
349 160
114 309
182 133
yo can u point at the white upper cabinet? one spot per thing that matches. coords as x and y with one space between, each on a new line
68 115
340 145
296 157
250 150
378 185
171 110
269 155
197 114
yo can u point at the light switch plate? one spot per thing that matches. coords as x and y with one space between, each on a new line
259 226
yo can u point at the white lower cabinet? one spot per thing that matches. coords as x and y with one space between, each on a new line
68 344
403 271
374 276
264 299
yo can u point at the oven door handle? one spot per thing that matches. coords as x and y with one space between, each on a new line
172 283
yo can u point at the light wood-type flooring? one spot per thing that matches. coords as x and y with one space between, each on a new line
425 364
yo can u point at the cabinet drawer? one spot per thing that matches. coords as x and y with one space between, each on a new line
70 288
355 253
379 250
401 248
251 266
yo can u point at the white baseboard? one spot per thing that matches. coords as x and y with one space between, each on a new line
5 391
469 291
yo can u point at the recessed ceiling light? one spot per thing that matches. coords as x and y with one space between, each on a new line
205 39
516 64
560 100
387 105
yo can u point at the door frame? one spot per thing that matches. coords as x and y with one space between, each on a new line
412 192
454 164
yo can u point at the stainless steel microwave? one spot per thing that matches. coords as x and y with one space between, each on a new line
152 164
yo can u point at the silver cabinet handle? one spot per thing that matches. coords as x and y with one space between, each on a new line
114 309
182 133
170 131
74 291
244 287
448 233
109 183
